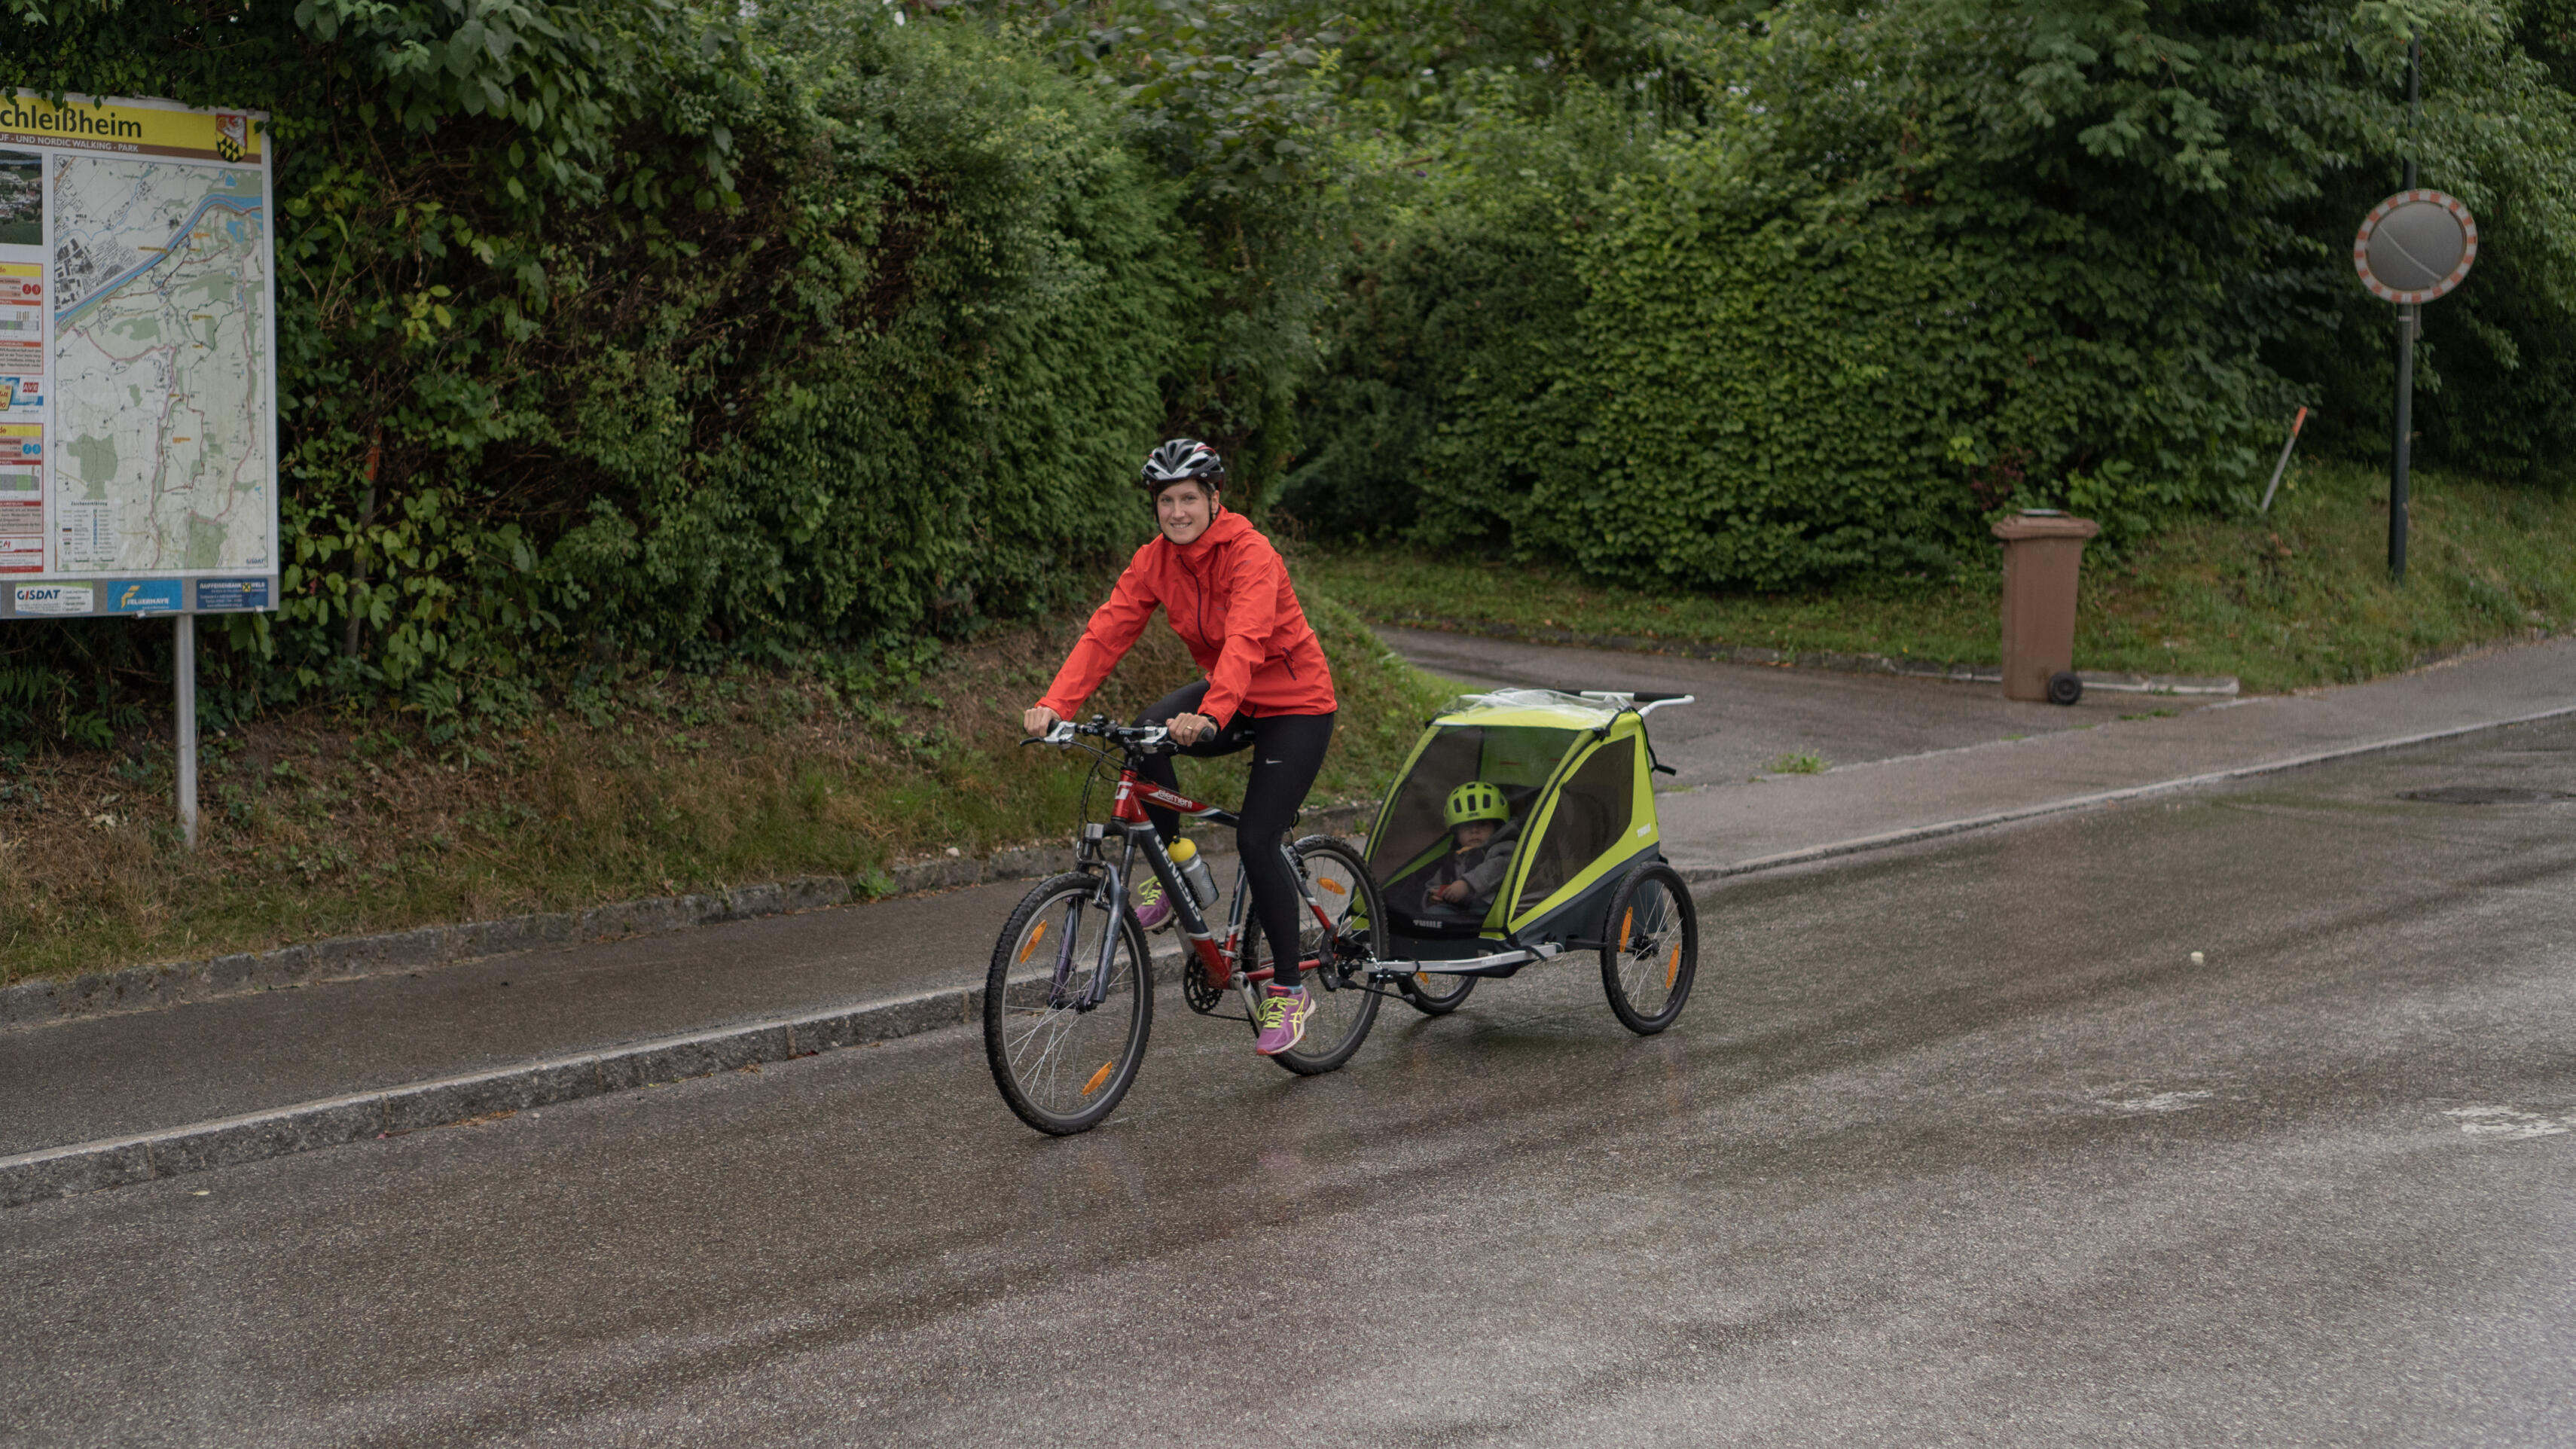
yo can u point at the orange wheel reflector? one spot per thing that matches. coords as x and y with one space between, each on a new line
1673 967
1422 977
1627 929
1336 887
1034 937
1097 1078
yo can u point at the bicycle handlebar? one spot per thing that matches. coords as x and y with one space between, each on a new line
1136 739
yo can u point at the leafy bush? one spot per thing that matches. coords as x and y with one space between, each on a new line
651 330
1848 283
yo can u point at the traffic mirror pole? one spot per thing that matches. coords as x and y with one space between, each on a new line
2401 458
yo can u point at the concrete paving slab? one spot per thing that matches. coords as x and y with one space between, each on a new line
101 1077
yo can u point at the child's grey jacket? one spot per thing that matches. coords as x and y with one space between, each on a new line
1482 869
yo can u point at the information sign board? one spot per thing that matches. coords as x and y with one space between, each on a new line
138 359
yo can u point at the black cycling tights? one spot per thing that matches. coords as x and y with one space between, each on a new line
1287 750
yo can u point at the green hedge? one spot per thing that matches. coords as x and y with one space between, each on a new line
1872 278
681 329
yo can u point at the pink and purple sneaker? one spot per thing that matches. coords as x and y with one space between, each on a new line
1283 1018
1152 911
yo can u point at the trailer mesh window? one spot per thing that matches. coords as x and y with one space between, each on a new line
1591 811
1516 759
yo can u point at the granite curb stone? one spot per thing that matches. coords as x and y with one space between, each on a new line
120 1162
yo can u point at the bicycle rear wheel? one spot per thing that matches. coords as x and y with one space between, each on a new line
1345 1008
1067 1005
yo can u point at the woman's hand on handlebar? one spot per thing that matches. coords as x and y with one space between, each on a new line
1037 719
1189 729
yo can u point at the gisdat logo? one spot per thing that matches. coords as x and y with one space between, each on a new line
55 599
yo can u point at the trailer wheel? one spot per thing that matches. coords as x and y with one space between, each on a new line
1649 948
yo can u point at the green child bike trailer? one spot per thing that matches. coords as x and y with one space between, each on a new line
1554 785
1586 869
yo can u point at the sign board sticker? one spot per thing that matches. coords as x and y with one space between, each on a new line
22 533
227 594
144 596
161 362
22 215
56 599
22 463
133 128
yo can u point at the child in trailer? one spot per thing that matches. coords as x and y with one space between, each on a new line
1465 880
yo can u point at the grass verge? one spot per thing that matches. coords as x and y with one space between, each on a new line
319 824
2296 599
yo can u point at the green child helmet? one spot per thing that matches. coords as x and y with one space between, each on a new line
1474 800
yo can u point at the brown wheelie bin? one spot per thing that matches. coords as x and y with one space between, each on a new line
2043 549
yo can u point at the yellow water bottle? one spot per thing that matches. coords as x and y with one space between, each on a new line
1194 871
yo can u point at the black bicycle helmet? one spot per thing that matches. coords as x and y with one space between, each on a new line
1182 460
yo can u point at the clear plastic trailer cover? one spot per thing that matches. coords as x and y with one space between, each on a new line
1512 739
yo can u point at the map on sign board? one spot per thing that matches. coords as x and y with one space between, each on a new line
137 350
161 366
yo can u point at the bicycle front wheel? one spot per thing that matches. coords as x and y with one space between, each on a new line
1345 1007
1067 1005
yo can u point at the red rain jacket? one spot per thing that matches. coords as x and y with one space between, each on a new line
1229 599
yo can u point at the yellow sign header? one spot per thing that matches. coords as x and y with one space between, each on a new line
140 128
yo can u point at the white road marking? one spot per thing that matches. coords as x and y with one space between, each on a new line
2507 1123
2162 1102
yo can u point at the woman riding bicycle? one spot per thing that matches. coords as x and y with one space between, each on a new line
1226 593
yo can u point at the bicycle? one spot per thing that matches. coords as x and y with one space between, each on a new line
1068 998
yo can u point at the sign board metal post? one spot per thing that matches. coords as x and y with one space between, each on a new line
183 665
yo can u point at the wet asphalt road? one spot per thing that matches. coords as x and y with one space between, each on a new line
1953 1145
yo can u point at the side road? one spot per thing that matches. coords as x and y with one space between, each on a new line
96 1102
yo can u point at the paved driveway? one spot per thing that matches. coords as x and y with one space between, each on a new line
1749 716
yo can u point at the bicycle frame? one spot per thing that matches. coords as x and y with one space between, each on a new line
1216 956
